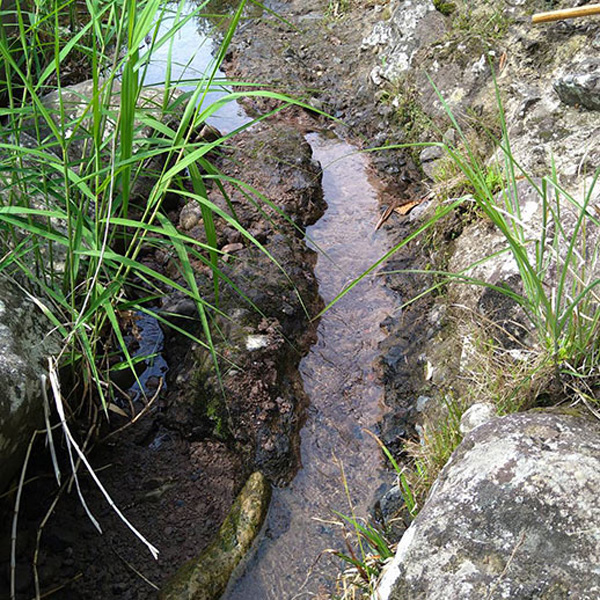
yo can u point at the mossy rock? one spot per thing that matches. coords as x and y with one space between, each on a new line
206 576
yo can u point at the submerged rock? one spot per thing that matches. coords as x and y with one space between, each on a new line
514 514
206 577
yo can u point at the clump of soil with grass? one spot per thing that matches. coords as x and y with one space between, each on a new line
175 472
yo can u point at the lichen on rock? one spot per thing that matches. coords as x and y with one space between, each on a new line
502 520
25 342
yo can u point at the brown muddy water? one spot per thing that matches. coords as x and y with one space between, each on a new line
345 395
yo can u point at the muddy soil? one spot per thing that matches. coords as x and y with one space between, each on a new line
317 56
176 471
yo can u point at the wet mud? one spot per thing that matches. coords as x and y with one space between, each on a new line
346 398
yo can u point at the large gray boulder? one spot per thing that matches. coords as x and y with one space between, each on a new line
514 514
25 343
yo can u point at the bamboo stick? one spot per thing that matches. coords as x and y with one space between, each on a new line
567 13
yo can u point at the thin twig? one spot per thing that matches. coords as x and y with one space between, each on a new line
13 489
36 578
49 437
72 443
119 389
589 406
132 568
139 415
86 442
57 588
13 534
403 207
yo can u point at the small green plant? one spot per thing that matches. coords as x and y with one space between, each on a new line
336 9
408 493
557 284
367 548
451 182
513 380
488 23
410 116
446 8
553 256
439 439
366 556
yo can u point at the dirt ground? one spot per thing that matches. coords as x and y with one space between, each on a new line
175 472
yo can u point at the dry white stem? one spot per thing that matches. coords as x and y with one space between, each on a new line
71 442
49 437
13 534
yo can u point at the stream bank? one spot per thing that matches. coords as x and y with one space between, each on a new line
495 75
344 392
182 464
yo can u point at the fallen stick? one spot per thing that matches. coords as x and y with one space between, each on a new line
567 13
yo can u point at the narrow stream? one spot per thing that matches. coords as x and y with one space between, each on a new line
344 393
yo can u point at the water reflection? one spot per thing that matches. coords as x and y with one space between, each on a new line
338 375
188 56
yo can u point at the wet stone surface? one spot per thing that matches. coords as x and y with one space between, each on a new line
205 577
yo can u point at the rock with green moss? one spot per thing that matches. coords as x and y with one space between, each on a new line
26 342
206 576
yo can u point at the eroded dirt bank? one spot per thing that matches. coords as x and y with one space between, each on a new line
176 471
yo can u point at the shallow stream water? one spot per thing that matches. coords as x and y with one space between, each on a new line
345 395
189 54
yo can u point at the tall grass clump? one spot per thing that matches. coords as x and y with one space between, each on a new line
551 240
548 237
87 174
86 171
